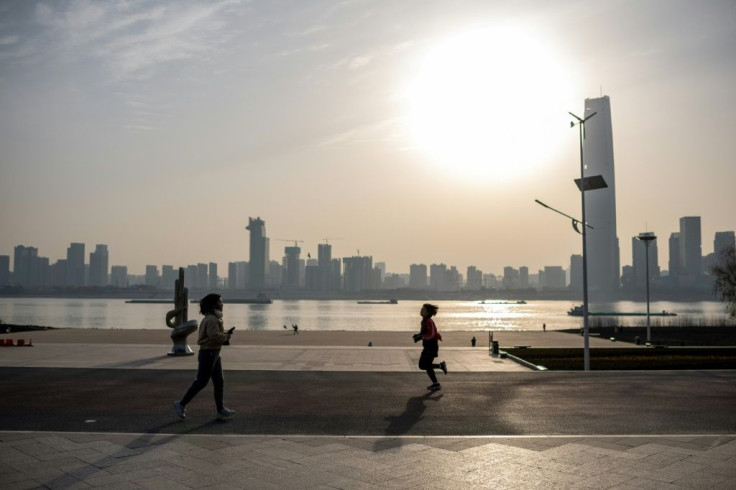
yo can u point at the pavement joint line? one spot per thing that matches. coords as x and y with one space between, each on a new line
379 436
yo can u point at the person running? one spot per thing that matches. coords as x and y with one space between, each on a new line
212 336
430 338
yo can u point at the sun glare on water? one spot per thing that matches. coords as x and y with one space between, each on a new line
489 103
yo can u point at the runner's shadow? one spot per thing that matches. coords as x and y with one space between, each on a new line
415 407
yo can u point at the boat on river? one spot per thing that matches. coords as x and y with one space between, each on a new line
578 311
151 301
391 301
520 302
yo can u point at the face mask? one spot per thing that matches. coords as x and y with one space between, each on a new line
217 313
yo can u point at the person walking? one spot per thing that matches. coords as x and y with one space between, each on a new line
430 338
212 336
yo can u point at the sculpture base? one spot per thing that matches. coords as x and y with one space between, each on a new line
181 350
179 337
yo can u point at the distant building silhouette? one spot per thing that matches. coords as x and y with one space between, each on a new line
600 204
292 276
75 265
358 273
119 276
691 255
4 270
169 275
98 266
674 260
722 241
259 256
152 278
474 278
576 272
418 276
212 283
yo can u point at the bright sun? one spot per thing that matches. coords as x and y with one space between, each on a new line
488 103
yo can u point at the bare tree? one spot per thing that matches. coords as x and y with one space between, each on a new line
724 274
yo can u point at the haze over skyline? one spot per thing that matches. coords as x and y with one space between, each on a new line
416 131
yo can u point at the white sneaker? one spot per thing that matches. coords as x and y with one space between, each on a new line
225 413
181 411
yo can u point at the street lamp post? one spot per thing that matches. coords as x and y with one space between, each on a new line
647 238
586 340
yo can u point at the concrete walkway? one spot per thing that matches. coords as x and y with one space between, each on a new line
116 460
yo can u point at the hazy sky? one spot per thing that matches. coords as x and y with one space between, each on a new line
411 130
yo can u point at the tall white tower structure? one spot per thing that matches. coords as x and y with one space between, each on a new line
604 269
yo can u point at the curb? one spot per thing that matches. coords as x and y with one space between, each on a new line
524 363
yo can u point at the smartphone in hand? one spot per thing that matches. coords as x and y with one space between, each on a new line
231 330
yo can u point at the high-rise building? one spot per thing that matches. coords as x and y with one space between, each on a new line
691 256
722 241
324 266
152 278
576 272
358 273
291 267
98 266
639 262
438 277
4 270
169 275
119 276
212 283
554 277
474 278
674 261
75 265
418 276
600 205
510 278
523 277
259 256
25 266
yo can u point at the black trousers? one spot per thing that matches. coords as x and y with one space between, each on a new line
210 366
425 363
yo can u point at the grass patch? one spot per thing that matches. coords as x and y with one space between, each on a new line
604 359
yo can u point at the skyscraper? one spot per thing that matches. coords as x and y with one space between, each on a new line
259 256
723 240
98 266
75 265
691 255
291 267
674 262
600 204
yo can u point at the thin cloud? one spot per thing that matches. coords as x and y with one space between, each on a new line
130 40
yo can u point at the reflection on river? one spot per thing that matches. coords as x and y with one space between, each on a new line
342 314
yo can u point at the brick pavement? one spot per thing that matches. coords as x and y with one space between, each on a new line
89 460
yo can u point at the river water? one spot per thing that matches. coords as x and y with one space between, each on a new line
348 314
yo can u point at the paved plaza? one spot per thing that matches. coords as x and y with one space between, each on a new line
190 458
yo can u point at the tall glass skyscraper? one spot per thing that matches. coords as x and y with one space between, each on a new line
604 269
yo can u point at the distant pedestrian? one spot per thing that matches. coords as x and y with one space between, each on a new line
472 341
544 327
296 328
430 338
212 336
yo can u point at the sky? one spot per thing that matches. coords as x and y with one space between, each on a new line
413 131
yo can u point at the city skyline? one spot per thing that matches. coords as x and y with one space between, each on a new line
687 270
419 132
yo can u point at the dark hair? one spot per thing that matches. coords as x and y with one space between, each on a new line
431 309
208 304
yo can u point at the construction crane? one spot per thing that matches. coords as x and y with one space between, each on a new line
289 240
327 240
